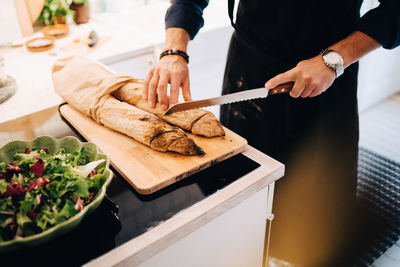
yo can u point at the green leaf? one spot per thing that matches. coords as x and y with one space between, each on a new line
22 219
81 158
6 204
96 182
82 187
3 167
3 186
46 218
25 206
68 210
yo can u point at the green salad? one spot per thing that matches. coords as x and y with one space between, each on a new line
39 190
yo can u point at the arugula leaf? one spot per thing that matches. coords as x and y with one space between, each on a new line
25 206
25 160
6 204
3 186
46 218
68 210
81 157
3 167
27 225
96 182
82 187
23 221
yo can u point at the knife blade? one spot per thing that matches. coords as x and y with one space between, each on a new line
231 98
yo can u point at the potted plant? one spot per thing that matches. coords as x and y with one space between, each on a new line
54 12
81 10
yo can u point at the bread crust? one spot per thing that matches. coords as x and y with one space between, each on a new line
198 121
146 128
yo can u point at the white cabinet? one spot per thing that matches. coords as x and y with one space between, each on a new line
235 238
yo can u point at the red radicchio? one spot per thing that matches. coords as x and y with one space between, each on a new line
46 150
27 150
79 204
34 185
14 189
93 173
38 167
32 215
14 162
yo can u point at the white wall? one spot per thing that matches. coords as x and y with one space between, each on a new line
9 25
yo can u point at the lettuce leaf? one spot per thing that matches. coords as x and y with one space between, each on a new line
3 186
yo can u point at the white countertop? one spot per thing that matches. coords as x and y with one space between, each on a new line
32 71
132 32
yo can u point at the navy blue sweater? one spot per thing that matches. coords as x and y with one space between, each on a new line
302 27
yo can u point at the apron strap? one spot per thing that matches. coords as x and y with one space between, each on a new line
231 6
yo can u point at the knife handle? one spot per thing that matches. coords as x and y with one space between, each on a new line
281 89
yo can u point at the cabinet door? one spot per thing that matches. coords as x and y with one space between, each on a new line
235 238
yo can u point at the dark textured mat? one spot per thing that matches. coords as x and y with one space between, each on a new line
378 196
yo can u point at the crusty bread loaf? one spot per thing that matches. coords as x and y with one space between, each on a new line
197 121
87 86
146 128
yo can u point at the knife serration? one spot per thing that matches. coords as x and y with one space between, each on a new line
220 100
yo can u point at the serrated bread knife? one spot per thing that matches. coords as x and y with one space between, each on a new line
231 98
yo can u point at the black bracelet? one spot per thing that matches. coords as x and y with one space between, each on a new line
175 52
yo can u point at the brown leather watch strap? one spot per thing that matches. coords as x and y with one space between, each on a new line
281 89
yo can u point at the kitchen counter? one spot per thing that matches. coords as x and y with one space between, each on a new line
222 209
131 229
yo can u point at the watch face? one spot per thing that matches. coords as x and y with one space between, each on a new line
333 58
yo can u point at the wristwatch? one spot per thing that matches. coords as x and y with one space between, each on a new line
333 60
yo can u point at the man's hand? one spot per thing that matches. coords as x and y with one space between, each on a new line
171 69
311 78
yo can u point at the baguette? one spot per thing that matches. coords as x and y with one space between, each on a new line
146 128
197 121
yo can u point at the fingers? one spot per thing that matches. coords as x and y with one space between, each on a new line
152 93
174 92
186 90
171 70
308 89
146 84
162 91
298 88
281 78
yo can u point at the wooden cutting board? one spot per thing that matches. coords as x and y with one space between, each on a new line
148 170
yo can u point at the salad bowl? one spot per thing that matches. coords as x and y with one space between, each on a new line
49 144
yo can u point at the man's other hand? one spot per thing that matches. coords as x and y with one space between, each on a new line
173 70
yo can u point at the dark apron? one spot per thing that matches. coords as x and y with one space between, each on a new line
317 140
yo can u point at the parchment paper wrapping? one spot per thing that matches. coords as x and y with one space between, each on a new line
85 84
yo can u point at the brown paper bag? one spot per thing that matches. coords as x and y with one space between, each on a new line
85 84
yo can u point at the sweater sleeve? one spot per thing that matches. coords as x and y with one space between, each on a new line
383 23
186 14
